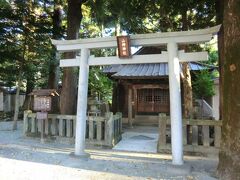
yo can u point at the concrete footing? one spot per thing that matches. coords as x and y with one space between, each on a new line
184 169
83 156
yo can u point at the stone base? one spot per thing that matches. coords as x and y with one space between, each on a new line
179 169
84 155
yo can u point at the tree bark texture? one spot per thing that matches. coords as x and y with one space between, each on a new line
219 20
187 93
16 107
29 88
53 77
68 98
186 75
229 156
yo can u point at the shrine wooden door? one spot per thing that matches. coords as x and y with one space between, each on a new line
152 100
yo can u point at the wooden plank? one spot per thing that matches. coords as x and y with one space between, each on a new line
206 138
217 136
195 135
198 122
69 127
99 130
63 116
201 149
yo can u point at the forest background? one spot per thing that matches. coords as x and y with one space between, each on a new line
28 60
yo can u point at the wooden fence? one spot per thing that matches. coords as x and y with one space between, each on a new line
105 131
198 135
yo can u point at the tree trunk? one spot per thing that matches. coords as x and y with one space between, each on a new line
219 20
16 108
187 87
53 76
186 76
68 98
229 156
30 87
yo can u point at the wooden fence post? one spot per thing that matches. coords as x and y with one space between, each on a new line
195 135
184 132
217 137
61 127
69 127
109 129
54 126
46 123
99 130
33 124
91 128
162 131
206 138
26 125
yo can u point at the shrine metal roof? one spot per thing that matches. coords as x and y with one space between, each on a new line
154 70
146 70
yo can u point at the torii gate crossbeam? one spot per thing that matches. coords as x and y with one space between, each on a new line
171 39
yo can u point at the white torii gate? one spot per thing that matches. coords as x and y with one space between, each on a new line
173 57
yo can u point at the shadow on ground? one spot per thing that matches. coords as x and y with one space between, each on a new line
109 163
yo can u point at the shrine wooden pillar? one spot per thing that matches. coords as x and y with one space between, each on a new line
130 113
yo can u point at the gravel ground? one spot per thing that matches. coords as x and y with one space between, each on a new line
23 158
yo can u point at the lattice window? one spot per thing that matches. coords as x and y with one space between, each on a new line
153 100
161 96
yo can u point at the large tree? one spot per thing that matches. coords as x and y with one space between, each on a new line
229 156
25 46
69 83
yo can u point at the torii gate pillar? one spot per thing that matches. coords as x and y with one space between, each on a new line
175 103
82 104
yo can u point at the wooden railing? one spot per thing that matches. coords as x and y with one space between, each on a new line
105 131
198 135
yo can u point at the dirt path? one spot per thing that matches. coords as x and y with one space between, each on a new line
24 158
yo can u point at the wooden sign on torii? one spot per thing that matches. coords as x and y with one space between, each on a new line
172 57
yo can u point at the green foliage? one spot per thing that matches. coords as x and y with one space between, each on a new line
25 46
100 83
203 86
27 26
213 58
